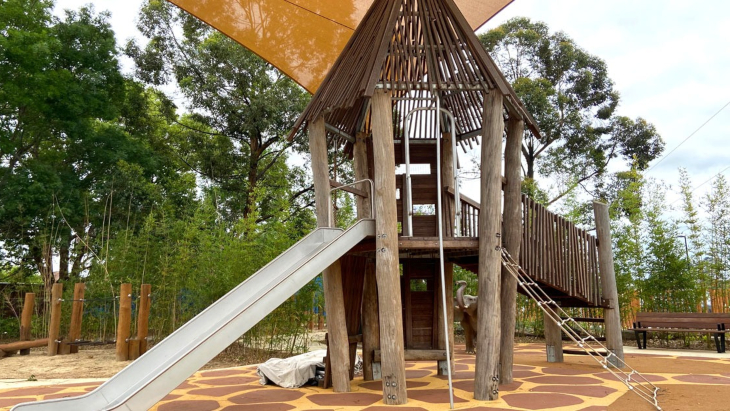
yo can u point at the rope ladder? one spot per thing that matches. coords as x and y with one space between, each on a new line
618 368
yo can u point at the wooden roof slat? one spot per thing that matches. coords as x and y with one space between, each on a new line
412 46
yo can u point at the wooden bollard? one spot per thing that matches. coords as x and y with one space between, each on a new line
124 322
26 320
77 314
54 327
143 317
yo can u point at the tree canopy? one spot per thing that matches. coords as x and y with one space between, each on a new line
241 109
574 101
71 132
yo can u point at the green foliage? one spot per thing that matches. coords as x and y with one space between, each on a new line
650 259
193 261
241 109
569 93
81 146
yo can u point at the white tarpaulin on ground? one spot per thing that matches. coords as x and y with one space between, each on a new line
292 372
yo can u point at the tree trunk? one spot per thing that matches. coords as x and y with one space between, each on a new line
63 257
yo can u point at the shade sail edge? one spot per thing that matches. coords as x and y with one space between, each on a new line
297 37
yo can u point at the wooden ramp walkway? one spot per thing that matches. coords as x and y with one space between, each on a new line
557 255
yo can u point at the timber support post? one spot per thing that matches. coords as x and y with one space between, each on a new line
614 342
339 351
449 214
553 340
486 381
387 270
124 322
26 320
77 315
512 239
370 321
54 326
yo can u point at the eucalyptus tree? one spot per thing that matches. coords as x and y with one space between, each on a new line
574 101
240 111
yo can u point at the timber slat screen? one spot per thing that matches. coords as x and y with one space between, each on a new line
556 252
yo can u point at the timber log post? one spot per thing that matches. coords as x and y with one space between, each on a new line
486 381
26 321
387 271
77 315
339 351
143 316
512 239
553 340
612 315
370 322
54 325
449 213
124 322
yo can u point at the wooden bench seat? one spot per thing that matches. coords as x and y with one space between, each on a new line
716 324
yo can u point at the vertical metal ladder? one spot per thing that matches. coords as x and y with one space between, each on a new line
609 361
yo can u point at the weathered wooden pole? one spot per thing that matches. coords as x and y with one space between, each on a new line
339 347
486 381
512 239
77 315
54 326
370 321
143 316
447 179
26 320
553 340
360 165
386 256
612 315
124 322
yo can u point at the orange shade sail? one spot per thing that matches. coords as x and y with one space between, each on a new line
303 38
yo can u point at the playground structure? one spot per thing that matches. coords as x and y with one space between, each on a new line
411 85
127 348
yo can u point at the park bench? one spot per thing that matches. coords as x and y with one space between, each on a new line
699 323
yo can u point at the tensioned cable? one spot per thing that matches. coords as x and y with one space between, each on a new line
688 137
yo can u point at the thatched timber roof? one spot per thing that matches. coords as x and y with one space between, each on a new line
414 48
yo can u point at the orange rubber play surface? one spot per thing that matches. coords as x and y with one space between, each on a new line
577 384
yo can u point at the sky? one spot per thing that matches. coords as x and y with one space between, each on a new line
669 60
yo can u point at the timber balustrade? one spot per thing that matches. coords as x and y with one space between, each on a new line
554 251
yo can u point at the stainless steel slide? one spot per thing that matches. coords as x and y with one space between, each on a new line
168 364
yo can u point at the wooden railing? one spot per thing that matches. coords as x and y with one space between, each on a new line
469 218
556 252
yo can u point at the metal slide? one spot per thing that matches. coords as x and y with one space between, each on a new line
168 364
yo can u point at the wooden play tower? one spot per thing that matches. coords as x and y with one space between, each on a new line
413 85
